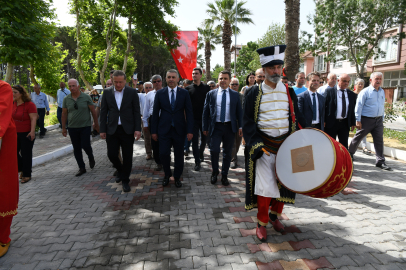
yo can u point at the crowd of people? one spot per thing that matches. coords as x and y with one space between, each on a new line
260 117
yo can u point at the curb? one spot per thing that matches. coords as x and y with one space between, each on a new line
387 151
52 155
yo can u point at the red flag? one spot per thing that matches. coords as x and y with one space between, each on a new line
185 55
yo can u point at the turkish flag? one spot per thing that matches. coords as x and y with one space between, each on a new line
185 55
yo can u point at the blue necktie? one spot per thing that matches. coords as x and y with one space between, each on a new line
314 107
223 107
173 104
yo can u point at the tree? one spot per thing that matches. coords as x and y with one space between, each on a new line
208 37
292 23
25 32
223 13
352 29
216 71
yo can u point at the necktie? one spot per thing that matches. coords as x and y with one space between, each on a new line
314 107
173 104
344 108
223 107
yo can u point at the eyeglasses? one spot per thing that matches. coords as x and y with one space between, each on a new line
212 86
234 84
259 76
75 105
156 81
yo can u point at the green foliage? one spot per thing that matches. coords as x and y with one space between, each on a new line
25 31
216 71
53 120
49 71
352 29
116 62
395 134
394 110
245 57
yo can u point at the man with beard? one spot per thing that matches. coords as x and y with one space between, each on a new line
271 114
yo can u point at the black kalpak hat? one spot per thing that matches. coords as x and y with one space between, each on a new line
273 55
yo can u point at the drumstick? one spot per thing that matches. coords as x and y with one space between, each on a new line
266 152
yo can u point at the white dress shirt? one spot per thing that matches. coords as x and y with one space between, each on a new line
170 93
317 106
148 107
119 98
322 89
340 102
219 99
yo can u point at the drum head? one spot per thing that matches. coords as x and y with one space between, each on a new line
305 160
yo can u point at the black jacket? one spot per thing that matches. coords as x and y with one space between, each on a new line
331 107
306 107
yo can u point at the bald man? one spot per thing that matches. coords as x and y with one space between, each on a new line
340 110
76 108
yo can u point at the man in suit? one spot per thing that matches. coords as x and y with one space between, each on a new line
311 103
223 113
340 110
120 123
172 120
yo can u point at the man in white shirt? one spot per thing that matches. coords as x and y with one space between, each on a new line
60 95
331 82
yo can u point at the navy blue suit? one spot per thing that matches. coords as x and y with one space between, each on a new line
172 127
306 107
220 132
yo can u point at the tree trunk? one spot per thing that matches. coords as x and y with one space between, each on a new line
292 23
81 73
207 55
32 75
127 52
109 41
9 73
226 40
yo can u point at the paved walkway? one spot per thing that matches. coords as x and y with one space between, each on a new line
67 222
399 124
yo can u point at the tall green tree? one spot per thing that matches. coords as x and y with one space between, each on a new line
26 31
223 13
292 24
353 28
208 37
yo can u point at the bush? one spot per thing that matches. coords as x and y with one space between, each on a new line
395 134
53 119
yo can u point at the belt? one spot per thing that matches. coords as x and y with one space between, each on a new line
316 125
225 123
376 117
341 120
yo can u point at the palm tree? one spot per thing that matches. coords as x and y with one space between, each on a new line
292 23
223 13
207 39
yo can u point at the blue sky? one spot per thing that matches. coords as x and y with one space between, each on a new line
191 13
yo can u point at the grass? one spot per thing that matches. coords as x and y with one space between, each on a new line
395 134
52 112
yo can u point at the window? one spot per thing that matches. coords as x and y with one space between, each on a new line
394 78
389 50
319 63
339 61
301 68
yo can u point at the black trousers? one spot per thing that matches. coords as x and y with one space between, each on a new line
340 130
154 145
172 138
41 121
126 142
59 116
198 151
80 138
222 133
24 153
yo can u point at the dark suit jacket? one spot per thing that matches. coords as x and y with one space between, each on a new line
129 111
331 107
210 111
306 107
163 115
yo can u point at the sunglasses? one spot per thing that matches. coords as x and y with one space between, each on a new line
156 81
75 105
212 86
234 84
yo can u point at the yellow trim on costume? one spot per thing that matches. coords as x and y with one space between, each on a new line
9 213
284 118
275 92
274 110
257 103
251 172
262 223
276 213
274 128
274 101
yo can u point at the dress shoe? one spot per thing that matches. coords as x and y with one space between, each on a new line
158 167
165 181
186 153
126 186
234 165
261 233
178 183
224 180
277 225
115 173
92 162
41 136
197 167
213 179
4 249
149 157
80 172
383 166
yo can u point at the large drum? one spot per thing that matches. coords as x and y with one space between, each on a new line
310 162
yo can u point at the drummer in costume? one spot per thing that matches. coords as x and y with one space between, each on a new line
8 166
271 114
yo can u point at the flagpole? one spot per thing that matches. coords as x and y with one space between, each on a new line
235 46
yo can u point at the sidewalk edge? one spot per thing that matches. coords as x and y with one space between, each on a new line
52 155
387 151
